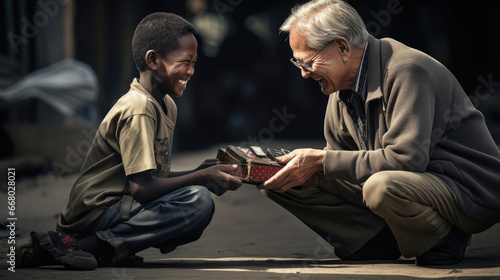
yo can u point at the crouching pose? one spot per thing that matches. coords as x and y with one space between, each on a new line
409 163
126 199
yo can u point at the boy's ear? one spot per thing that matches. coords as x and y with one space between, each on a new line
151 60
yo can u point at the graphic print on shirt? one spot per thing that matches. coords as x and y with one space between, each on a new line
162 157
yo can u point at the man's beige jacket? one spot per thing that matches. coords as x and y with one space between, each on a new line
418 119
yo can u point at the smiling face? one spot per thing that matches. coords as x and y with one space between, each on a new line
174 70
330 68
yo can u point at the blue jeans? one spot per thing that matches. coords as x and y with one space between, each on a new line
174 219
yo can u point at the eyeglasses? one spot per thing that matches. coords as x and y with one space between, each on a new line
308 65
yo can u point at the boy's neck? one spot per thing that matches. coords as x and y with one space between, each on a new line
146 81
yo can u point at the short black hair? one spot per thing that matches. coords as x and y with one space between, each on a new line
159 32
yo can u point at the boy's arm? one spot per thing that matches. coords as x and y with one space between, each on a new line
207 163
144 187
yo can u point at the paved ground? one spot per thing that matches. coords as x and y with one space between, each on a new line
250 238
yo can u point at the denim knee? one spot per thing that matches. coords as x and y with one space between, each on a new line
196 204
204 201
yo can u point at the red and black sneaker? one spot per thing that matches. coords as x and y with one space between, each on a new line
30 254
51 248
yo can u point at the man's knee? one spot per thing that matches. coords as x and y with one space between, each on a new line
377 192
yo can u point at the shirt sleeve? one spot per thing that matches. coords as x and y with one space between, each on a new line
136 138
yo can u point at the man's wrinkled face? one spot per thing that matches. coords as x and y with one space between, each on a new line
327 68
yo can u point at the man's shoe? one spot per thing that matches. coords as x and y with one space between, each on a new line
450 251
52 248
381 247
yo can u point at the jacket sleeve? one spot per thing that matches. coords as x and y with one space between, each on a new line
409 118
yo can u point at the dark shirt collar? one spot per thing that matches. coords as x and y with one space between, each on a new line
360 84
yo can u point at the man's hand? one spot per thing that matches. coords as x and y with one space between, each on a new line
301 166
219 180
317 178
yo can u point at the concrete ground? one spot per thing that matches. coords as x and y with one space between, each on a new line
250 238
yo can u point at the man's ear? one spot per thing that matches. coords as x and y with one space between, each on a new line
343 48
343 45
151 58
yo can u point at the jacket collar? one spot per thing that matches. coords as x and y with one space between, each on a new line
374 75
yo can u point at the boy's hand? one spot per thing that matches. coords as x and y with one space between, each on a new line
219 180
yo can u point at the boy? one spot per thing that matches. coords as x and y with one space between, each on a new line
126 199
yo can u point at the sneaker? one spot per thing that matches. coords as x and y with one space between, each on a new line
450 251
52 248
30 254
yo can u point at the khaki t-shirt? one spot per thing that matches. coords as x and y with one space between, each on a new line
135 136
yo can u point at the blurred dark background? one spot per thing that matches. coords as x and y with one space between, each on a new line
245 90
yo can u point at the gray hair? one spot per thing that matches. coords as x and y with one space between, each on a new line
321 21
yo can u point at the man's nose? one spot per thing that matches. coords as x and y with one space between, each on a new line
305 73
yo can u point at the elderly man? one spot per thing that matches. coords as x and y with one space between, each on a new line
410 167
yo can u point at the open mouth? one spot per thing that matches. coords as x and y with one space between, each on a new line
319 79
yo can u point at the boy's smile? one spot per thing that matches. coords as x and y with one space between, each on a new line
176 68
